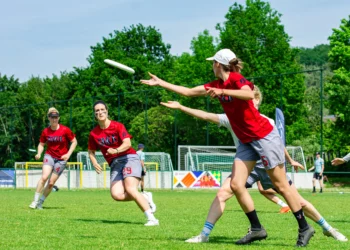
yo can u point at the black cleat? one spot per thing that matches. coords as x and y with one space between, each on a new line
305 236
253 234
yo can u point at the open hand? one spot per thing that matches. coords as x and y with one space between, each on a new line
171 104
154 81
338 161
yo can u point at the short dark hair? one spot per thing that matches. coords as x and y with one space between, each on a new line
99 102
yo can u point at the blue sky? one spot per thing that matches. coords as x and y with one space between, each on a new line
42 38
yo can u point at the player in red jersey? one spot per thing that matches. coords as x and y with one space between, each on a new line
259 140
57 138
114 141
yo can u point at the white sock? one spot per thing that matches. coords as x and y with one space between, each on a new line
282 204
324 224
207 228
149 215
36 196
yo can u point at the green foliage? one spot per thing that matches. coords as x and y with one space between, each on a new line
316 56
338 87
255 33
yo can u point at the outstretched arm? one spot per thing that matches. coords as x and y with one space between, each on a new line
245 93
155 81
339 161
203 115
295 164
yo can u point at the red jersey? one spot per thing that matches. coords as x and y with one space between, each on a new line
57 141
111 137
245 119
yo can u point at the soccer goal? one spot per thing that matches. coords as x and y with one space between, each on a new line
159 170
220 158
29 173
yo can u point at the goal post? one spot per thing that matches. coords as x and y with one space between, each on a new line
29 173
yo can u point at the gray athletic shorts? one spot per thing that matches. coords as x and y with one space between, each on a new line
125 166
57 165
269 149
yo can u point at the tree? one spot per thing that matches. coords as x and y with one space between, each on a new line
338 88
256 35
317 56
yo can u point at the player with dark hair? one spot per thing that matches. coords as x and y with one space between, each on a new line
114 141
318 174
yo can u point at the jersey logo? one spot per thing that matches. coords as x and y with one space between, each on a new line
226 98
242 80
108 140
54 139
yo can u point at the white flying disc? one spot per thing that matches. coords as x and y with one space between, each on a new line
119 66
32 150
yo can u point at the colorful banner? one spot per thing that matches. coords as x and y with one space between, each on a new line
197 179
7 178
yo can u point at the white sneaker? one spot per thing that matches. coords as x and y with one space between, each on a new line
198 239
335 234
33 204
149 198
40 205
151 223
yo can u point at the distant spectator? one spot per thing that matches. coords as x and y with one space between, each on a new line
318 175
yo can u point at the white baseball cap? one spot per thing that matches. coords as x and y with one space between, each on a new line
223 56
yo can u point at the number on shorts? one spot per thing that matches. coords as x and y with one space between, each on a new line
264 161
127 170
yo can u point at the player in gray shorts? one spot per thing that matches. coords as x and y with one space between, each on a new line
125 166
57 165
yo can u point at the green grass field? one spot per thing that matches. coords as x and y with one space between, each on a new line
90 219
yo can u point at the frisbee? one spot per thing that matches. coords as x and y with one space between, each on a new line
119 66
32 150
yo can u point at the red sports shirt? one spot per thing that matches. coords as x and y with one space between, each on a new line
111 137
245 119
57 141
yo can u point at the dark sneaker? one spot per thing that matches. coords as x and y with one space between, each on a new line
253 234
305 236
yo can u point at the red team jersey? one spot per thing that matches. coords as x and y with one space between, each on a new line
57 141
111 137
245 119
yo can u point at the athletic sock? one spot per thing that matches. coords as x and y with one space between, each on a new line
42 198
207 228
253 219
299 215
282 204
324 224
36 196
149 215
314 190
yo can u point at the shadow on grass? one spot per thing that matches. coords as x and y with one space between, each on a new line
52 208
110 221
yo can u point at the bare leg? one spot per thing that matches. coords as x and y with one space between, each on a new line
54 177
126 190
218 205
240 173
279 180
45 175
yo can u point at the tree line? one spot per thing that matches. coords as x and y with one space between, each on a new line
253 31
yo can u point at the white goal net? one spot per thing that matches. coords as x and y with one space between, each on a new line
220 158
